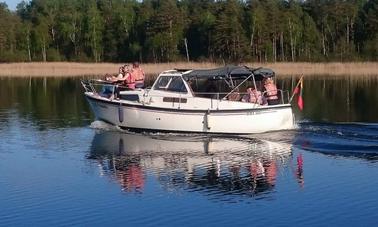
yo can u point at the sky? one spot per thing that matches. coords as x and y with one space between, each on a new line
11 3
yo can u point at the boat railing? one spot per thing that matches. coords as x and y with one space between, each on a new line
88 86
103 88
283 95
111 90
215 98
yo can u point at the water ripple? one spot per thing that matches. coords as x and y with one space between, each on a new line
347 139
221 169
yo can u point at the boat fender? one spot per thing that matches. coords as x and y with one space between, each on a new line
120 113
207 119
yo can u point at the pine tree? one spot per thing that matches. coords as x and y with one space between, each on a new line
201 18
367 34
94 30
165 31
229 40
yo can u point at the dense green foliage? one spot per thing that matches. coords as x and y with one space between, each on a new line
156 30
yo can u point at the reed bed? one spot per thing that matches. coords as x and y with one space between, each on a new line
68 69
333 68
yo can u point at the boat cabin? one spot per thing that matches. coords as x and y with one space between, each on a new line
219 83
183 85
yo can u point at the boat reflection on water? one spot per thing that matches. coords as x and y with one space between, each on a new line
211 164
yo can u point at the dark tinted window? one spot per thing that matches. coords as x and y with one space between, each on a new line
177 85
130 97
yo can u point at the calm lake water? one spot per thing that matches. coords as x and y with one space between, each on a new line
58 166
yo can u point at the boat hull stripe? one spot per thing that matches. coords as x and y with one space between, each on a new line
183 111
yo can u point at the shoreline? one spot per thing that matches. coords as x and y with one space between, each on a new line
74 69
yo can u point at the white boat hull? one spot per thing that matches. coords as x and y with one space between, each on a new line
234 121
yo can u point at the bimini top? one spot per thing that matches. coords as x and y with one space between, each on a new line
228 72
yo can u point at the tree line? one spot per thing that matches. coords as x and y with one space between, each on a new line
196 30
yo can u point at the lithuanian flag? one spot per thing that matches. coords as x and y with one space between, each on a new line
299 90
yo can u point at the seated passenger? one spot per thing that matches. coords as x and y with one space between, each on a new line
271 92
138 74
253 96
117 78
108 77
121 73
234 96
124 77
129 79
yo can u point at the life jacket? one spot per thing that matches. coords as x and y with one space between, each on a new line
255 97
138 74
130 80
271 91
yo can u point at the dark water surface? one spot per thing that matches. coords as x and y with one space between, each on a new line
58 166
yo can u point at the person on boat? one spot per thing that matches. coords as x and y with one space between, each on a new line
234 96
271 92
139 75
129 78
117 78
253 96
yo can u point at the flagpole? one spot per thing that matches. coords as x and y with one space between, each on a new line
292 96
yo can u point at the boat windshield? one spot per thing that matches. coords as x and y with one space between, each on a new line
170 83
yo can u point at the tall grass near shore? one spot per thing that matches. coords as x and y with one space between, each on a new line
67 69
334 68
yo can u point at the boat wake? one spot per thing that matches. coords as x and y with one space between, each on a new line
101 125
340 139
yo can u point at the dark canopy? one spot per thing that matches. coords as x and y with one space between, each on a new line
227 72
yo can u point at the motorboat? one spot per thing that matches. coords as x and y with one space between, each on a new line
196 101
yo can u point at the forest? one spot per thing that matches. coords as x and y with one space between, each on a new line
189 30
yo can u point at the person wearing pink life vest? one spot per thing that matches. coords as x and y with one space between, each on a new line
271 92
138 75
129 78
253 96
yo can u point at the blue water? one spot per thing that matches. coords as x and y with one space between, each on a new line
60 167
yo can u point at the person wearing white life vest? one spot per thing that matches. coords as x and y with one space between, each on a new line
138 74
271 92
117 78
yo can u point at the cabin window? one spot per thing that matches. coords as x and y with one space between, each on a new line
130 97
177 85
173 99
171 83
162 83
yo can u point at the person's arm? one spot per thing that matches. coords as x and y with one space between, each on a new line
119 76
124 77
